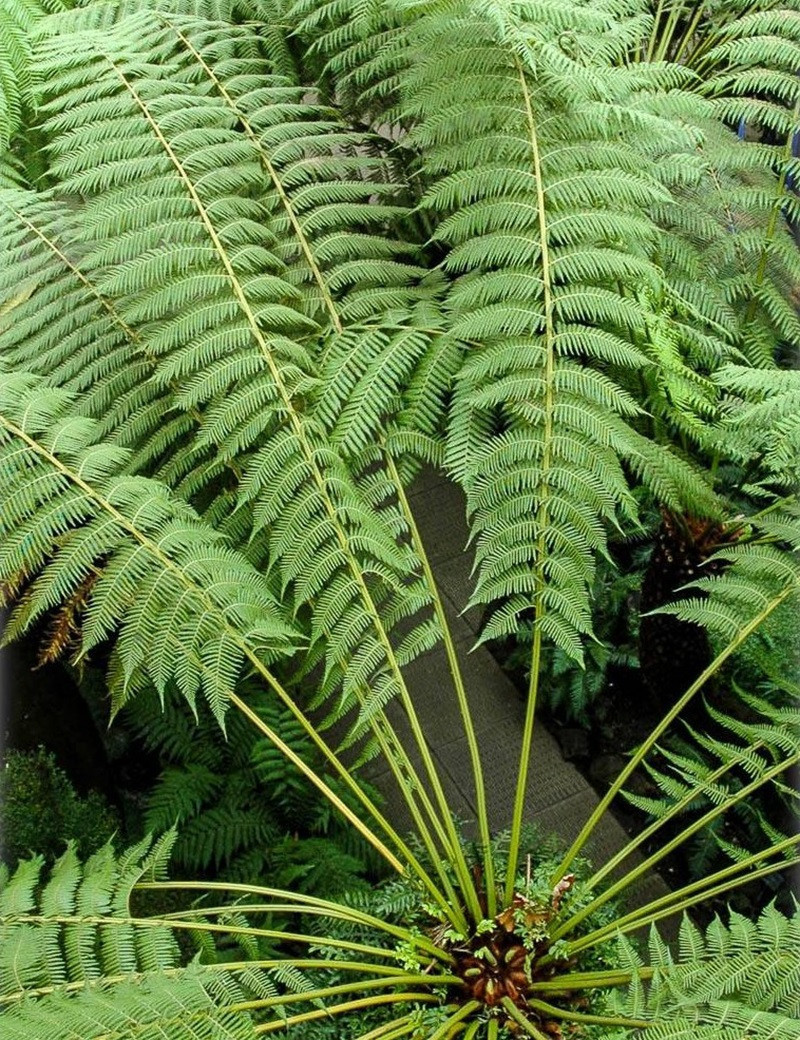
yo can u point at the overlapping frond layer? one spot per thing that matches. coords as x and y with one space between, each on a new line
238 802
183 606
761 575
76 959
55 322
105 14
183 1007
737 977
544 214
209 179
18 82
759 426
64 948
228 237
752 60
746 103
712 771
761 422
135 564
761 564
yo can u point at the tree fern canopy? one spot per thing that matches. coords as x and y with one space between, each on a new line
138 554
264 262
251 293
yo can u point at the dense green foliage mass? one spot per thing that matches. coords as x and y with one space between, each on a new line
262 262
242 811
42 810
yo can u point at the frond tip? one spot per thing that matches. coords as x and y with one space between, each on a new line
184 606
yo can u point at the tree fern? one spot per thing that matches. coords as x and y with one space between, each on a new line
263 423
760 413
240 336
183 552
234 324
484 200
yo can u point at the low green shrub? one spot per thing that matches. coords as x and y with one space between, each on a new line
41 810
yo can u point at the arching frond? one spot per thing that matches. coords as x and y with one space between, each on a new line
183 607
77 959
539 426
18 81
706 990
58 947
761 417
205 393
708 771
184 604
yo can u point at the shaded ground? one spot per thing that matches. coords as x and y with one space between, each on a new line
559 797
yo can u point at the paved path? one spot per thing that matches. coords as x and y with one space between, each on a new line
559 798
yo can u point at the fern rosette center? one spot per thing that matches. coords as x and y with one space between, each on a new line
506 955
517 969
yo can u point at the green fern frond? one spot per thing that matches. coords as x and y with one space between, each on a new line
148 567
76 960
186 1007
716 976
179 795
532 273
19 83
761 415
47 942
267 249
736 976
707 771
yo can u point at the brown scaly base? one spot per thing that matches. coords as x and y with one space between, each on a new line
505 960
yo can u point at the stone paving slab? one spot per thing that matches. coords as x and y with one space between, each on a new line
491 697
454 580
559 798
439 511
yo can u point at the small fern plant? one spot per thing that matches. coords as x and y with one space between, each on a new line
241 810
281 258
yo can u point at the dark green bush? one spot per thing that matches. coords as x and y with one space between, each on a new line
41 810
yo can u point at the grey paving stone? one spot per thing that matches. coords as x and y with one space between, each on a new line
428 479
400 725
551 781
440 518
456 584
492 698
458 624
396 809
647 890
566 817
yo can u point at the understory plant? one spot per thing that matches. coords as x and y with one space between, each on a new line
279 257
212 789
41 809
